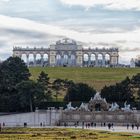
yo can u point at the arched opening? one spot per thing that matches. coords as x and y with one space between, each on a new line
65 60
58 60
24 58
107 60
86 59
46 60
38 59
31 59
73 60
100 59
97 107
93 59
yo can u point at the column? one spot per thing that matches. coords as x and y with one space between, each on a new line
96 60
34 59
27 58
103 61
42 59
89 60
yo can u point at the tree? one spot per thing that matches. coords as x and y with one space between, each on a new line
120 92
29 92
79 92
43 81
12 71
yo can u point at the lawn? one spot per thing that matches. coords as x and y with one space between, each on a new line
62 134
96 77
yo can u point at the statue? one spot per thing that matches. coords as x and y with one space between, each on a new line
97 96
126 107
114 107
69 107
83 107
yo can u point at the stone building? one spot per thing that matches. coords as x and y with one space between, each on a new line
67 52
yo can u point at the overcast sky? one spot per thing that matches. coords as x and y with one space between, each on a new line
95 23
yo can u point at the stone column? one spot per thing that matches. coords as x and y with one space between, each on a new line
89 60
103 61
34 59
96 60
27 58
42 59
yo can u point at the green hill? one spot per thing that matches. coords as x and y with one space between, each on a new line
96 77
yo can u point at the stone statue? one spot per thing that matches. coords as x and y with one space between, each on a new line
126 107
69 107
83 107
97 96
114 107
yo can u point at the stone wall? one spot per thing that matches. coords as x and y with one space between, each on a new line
51 117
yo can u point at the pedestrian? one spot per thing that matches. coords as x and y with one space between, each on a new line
83 125
104 124
137 125
132 126
109 125
127 126
112 125
94 124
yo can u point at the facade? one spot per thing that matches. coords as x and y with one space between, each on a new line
67 52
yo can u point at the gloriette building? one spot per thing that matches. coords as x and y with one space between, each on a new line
67 52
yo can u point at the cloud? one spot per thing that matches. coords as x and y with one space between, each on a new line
108 4
20 31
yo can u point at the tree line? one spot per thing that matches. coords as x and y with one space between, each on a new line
19 93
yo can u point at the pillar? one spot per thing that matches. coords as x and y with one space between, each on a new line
42 59
103 61
96 60
89 60
34 59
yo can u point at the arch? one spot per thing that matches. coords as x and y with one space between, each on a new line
31 59
72 60
107 59
24 57
100 59
93 59
65 60
45 59
85 59
38 59
58 60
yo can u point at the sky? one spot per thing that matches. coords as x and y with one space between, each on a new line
93 23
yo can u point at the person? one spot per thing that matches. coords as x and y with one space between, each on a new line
82 125
3 124
94 124
127 126
41 124
112 125
137 125
109 126
104 124
132 126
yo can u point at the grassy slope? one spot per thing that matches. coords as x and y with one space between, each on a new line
96 77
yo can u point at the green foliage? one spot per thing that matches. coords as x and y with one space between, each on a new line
12 71
119 92
79 92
